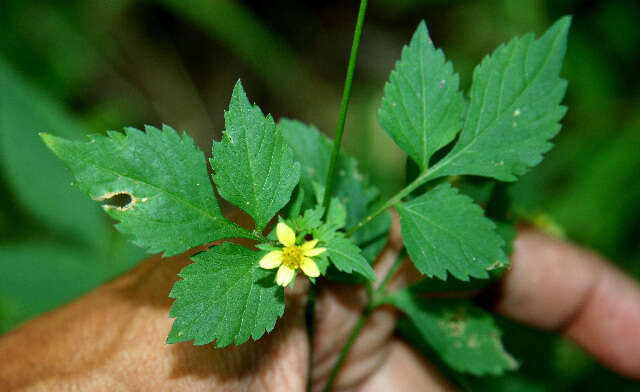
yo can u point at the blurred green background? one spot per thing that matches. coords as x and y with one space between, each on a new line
77 67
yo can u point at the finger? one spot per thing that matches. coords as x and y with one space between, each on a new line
337 310
554 285
405 370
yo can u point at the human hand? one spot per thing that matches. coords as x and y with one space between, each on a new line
113 338
551 285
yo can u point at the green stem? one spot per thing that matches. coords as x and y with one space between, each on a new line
310 311
394 267
427 175
371 305
345 349
346 94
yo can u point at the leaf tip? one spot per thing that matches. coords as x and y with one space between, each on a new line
238 91
422 33
169 129
561 26
566 20
46 137
49 140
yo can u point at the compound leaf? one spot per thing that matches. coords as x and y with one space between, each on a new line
170 205
254 166
422 107
444 230
465 336
313 150
225 296
515 108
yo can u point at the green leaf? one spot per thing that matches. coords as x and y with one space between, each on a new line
295 205
335 220
515 108
337 215
313 150
522 380
507 231
171 205
225 296
311 219
446 231
465 336
323 263
422 107
347 257
254 167
479 189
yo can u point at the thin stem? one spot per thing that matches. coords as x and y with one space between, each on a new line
345 349
371 305
369 289
346 94
310 311
427 175
394 267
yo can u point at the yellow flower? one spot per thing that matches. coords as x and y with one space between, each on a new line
292 256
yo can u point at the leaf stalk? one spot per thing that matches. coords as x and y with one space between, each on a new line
427 175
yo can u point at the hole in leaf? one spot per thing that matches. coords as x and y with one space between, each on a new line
121 200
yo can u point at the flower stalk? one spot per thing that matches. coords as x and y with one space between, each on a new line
346 94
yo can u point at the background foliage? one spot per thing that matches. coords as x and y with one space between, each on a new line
84 67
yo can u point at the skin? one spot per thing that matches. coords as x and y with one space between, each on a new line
113 338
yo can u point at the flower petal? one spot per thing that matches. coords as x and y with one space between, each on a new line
284 275
271 260
308 245
314 252
286 235
310 268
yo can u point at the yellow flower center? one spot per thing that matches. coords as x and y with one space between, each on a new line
292 256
